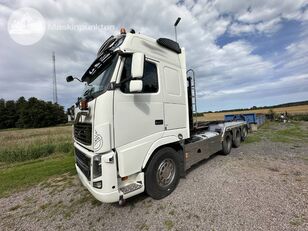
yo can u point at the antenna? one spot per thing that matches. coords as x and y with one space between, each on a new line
55 93
175 24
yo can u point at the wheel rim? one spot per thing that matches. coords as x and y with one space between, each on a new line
165 172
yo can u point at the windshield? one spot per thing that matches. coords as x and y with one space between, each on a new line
98 77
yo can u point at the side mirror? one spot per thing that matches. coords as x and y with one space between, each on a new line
69 78
137 65
135 86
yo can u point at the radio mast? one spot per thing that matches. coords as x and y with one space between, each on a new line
55 93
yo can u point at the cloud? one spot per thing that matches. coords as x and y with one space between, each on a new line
222 71
261 16
288 84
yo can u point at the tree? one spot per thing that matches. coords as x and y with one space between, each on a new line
33 113
10 115
2 114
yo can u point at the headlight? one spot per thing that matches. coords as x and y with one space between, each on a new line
97 166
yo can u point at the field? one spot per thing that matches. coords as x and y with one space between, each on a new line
294 110
262 185
29 144
30 156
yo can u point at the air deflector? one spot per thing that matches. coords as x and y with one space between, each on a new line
169 44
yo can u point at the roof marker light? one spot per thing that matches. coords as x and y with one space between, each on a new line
122 30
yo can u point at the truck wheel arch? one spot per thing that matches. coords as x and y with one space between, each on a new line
162 175
170 141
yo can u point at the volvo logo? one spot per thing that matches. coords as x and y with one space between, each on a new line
98 141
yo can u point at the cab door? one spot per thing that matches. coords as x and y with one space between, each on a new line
138 117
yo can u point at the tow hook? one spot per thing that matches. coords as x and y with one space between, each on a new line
122 201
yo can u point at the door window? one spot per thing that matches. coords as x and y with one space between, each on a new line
149 79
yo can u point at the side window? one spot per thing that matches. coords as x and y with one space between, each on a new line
126 74
150 78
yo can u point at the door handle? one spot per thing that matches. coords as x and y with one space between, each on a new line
159 122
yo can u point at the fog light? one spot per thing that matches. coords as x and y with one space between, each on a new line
97 166
98 184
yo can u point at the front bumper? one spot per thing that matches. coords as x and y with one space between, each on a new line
113 188
109 177
107 197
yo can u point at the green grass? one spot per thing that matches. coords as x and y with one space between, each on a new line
299 117
29 144
20 176
257 136
292 132
252 138
297 220
168 224
279 132
34 151
31 156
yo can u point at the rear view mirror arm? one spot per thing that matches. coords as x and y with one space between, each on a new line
114 85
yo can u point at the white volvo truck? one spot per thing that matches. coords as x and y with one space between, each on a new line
134 128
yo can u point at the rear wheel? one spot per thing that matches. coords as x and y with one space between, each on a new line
162 174
226 144
244 133
237 139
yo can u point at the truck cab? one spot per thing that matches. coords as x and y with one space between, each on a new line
134 122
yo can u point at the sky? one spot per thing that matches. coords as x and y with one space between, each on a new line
244 53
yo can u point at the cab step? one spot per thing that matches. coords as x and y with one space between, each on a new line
130 188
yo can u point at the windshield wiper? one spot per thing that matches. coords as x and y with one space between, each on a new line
88 92
92 95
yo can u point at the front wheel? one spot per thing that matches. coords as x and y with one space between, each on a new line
162 174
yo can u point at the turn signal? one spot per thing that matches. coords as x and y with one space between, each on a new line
83 104
186 155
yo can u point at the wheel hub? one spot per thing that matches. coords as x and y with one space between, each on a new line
165 173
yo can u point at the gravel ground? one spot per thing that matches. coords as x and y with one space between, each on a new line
259 186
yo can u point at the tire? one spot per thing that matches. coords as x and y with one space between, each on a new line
162 175
237 139
244 133
226 144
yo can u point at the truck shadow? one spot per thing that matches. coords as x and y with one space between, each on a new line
132 201
193 167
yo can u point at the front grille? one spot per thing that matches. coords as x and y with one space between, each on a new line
83 133
84 163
